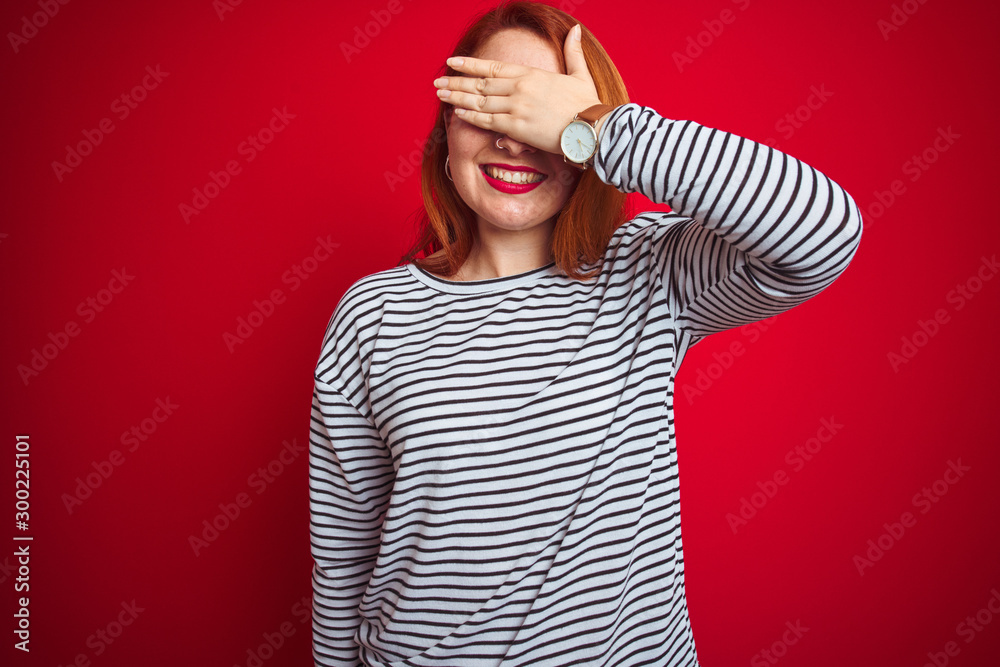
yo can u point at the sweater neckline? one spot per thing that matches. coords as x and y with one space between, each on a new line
500 284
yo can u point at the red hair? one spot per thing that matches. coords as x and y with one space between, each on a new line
593 212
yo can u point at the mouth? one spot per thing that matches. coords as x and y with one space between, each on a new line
512 179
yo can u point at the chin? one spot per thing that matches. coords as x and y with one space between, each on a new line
515 222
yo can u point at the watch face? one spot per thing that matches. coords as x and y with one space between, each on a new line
578 141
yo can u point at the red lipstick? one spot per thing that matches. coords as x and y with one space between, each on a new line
511 188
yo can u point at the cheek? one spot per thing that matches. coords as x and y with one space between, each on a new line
565 180
569 175
466 140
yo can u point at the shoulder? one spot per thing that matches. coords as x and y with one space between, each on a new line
377 286
370 293
358 314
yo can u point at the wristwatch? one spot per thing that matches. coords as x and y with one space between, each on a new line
579 139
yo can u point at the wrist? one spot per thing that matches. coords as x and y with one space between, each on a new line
597 128
600 123
580 139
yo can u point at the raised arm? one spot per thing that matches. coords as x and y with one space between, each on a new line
753 230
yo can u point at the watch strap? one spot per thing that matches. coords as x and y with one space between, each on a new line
594 113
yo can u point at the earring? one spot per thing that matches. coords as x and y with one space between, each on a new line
446 173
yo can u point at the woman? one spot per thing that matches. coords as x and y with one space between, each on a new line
493 473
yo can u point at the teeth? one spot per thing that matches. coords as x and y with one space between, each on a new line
517 177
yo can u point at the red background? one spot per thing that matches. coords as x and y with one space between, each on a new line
358 118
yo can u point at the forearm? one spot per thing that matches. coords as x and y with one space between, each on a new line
350 480
335 614
793 219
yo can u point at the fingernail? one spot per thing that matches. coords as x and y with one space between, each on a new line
442 82
577 30
443 93
455 62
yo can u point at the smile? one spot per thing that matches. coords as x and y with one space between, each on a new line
512 180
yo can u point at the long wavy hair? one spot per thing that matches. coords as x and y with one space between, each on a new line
592 213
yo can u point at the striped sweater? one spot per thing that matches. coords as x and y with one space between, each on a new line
492 466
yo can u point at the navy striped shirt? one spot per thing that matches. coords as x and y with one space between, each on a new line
492 466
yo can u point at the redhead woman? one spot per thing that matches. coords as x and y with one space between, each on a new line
493 469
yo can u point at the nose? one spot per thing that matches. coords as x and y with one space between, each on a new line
515 147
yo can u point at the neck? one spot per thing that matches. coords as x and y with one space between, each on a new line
500 252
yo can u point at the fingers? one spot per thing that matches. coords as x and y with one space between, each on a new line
487 93
485 120
576 63
476 85
493 69
475 93
484 103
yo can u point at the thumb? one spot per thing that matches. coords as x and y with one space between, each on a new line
576 64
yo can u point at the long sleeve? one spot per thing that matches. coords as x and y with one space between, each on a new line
753 231
350 480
